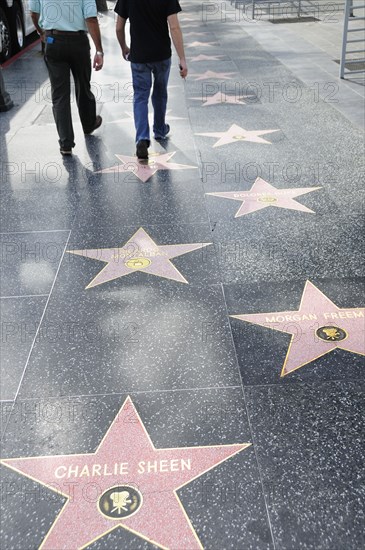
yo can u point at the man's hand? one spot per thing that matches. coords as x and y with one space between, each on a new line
183 68
98 61
125 52
94 30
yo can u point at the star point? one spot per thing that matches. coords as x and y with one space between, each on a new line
212 75
198 44
220 98
194 33
130 117
203 57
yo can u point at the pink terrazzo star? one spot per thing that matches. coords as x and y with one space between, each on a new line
143 169
236 133
140 253
220 98
262 195
197 44
195 33
203 57
317 328
212 75
133 486
130 117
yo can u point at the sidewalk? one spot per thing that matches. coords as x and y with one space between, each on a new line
311 51
183 339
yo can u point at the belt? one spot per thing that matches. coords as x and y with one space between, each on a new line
65 33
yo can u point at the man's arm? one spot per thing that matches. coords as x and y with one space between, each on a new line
120 30
94 30
35 18
177 39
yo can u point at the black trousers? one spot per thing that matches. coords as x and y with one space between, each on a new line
70 54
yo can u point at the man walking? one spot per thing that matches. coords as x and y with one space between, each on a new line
63 27
150 54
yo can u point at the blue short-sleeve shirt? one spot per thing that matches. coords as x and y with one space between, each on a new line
68 15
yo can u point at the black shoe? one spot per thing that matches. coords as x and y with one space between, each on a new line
142 149
160 138
66 151
97 124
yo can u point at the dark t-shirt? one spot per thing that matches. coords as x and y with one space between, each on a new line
150 39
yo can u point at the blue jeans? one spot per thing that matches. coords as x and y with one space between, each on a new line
142 82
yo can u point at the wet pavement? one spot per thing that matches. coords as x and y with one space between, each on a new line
183 339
